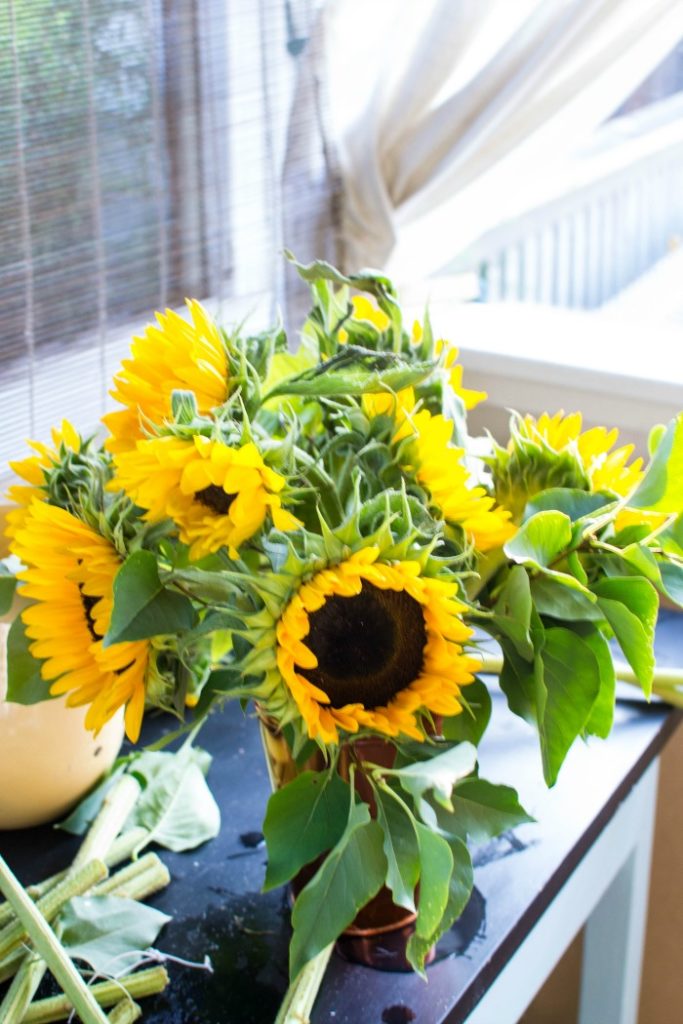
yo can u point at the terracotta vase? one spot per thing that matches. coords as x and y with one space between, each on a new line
48 760
379 934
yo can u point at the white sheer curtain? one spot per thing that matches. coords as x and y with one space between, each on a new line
452 109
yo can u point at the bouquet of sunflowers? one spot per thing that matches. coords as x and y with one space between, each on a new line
315 532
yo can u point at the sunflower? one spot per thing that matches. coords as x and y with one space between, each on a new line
606 470
469 398
175 355
426 453
69 576
372 645
368 311
216 495
34 471
553 451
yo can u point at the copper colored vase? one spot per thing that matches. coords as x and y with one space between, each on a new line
379 934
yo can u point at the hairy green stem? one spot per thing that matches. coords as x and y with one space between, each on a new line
22 990
667 682
13 934
48 946
106 993
136 881
121 849
301 995
11 964
117 805
125 1012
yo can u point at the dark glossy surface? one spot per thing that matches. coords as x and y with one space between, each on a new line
218 909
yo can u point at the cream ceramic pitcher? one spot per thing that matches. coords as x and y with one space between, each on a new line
48 760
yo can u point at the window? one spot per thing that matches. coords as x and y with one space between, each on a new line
145 148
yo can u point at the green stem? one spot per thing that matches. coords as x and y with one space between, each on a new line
487 566
301 994
666 681
13 934
138 880
121 850
22 990
117 805
125 1012
106 993
49 948
11 964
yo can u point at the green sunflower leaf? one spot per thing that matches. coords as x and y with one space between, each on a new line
436 868
672 581
558 601
401 847
351 874
459 892
630 605
518 683
371 281
542 541
303 819
142 606
512 611
8 583
470 725
567 684
481 811
570 500
354 371
439 773
600 720
25 685
661 489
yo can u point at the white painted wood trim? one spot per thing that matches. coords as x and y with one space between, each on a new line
625 840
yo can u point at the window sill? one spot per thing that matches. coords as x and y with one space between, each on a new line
619 371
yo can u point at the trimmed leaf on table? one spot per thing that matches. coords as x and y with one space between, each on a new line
351 874
176 805
109 932
142 605
85 812
303 819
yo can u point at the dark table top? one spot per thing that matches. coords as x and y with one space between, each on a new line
218 909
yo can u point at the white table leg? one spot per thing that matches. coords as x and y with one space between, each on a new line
615 931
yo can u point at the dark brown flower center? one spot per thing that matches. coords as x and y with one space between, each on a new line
369 647
89 603
215 498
